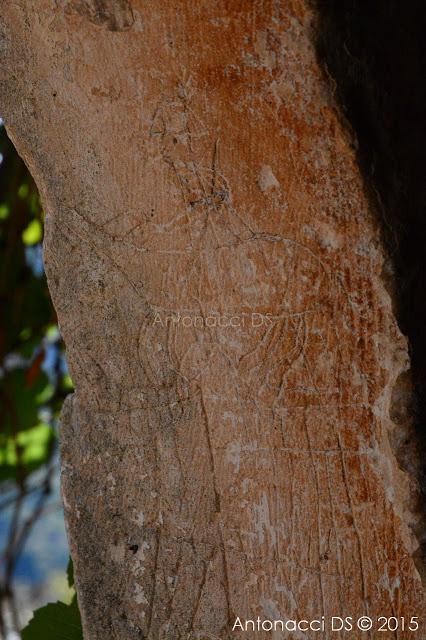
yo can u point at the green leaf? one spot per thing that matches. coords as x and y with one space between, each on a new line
33 233
70 573
25 334
25 397
52 332
4 211
45 395
67 383
35 443
35 446
55 621
23 191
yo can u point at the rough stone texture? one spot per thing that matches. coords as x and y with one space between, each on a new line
193 166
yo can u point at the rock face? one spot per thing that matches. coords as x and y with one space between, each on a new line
217 272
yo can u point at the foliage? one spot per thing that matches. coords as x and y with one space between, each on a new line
33 383
56 621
